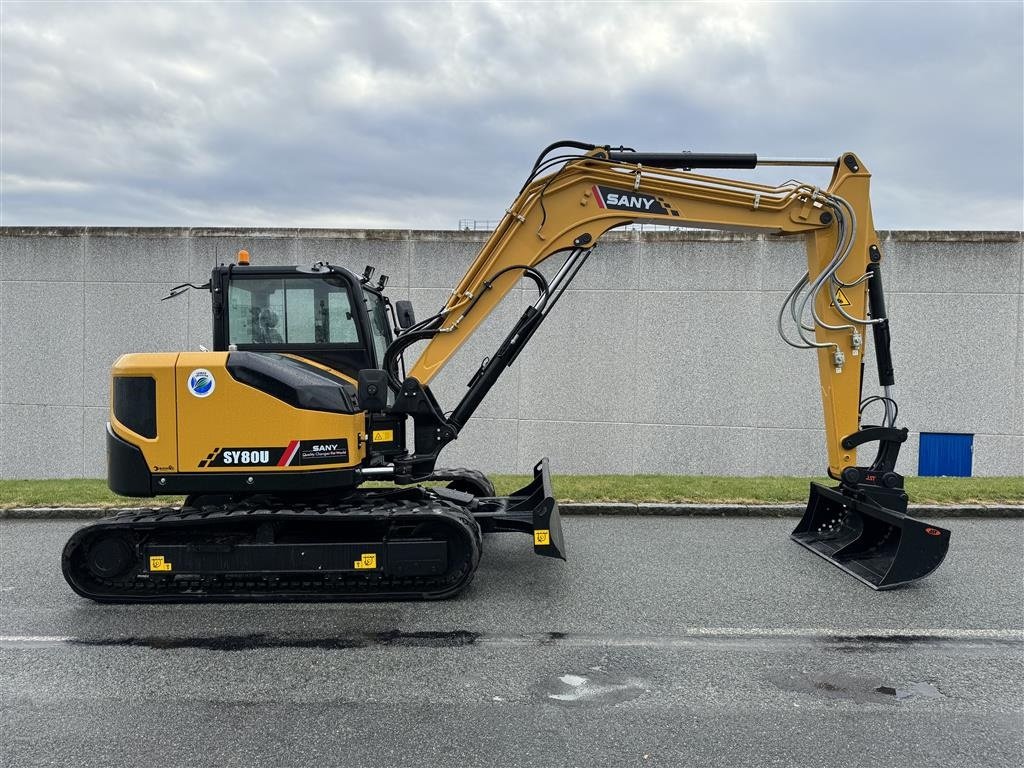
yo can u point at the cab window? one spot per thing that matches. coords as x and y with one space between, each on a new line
296 310
378 325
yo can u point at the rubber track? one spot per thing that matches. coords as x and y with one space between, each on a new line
479 482
386 506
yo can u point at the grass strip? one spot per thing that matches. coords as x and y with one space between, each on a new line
585 488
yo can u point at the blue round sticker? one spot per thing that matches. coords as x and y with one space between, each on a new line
201 382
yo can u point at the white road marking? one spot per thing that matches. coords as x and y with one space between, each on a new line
31 640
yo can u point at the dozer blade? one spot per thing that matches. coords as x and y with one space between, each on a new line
538 498
884 548
532 509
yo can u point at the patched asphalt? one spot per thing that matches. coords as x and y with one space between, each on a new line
663 641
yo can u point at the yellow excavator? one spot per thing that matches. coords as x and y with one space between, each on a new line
305 398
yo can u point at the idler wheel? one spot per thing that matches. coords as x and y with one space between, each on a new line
110 557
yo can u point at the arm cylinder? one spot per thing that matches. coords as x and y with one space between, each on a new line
876 301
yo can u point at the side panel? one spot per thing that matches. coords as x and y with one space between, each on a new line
230 427
161 452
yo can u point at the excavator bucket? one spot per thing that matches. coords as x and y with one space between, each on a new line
879 545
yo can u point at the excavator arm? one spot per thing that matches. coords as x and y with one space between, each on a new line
570 210
571 200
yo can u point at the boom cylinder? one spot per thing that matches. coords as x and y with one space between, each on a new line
488 373
685 160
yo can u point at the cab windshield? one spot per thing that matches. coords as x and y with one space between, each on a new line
296 310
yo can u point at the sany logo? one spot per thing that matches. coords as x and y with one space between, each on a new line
322 447
630 201
246 457
201 382
623 201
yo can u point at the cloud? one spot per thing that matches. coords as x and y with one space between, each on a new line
419 115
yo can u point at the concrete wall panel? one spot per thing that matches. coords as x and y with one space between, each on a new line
200 318
42 343
999 455
51 255
784 259
698 358
387 253
614 265
485 443
795 452
577 448
787 390
662 357
956 361
208 249
128 258
582 361
695 450
967 265
41 441
440 263
128 317
701 265
94 441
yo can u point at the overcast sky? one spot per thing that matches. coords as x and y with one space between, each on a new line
419 115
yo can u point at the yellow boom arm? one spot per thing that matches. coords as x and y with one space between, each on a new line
573 207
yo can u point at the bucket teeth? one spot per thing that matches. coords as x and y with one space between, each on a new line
881 546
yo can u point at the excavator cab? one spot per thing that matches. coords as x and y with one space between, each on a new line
323 313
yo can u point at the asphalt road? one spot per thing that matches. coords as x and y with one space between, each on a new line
662 642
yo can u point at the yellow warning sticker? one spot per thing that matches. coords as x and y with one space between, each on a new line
541 538
841 298
367 562
157 563
383 435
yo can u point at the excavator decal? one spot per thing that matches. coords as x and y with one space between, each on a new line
247 457
297 452
621 200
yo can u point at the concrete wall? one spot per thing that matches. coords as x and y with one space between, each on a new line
662 358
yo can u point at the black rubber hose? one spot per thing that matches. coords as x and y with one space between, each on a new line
396 348
558 145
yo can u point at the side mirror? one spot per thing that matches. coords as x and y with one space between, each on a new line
373 390
404 314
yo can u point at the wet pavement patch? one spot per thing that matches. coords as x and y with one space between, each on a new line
911 690
394 638
861 689
426 639
592 689
550 638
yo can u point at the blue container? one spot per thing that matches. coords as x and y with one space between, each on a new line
945 454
